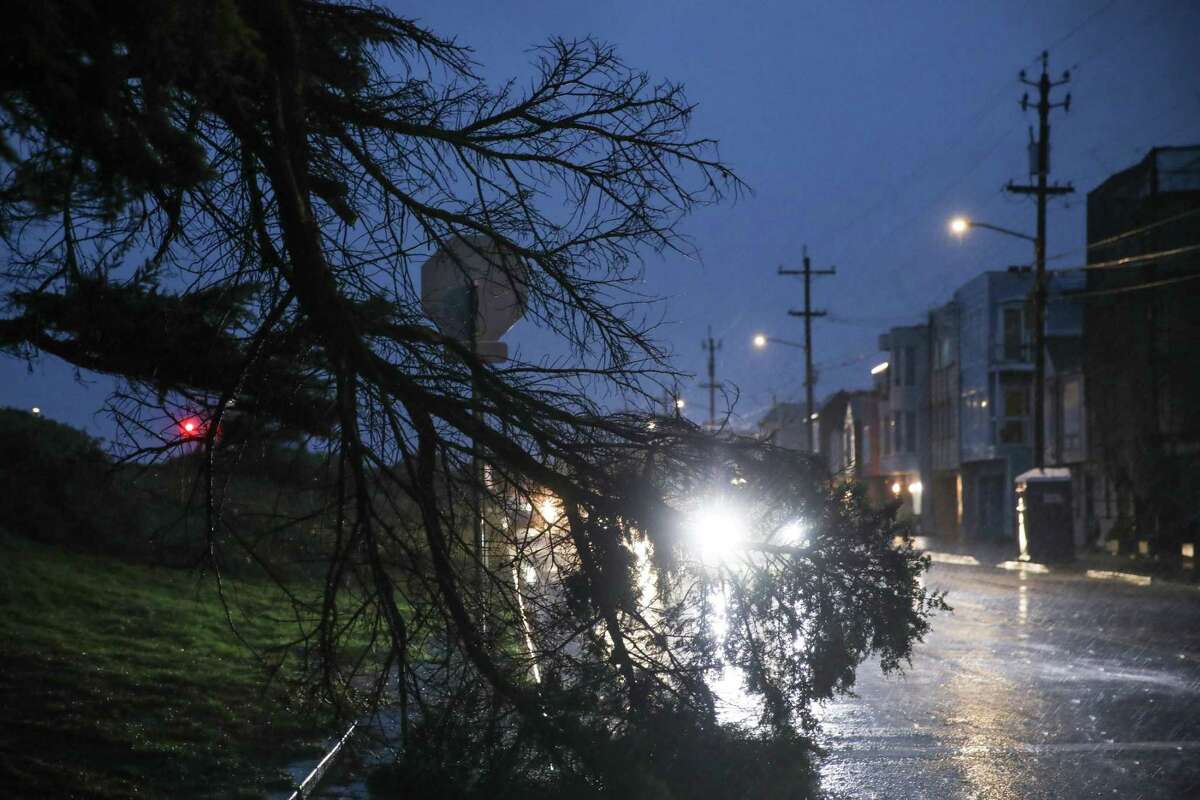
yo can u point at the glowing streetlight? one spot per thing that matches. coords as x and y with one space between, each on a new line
878 368
960 225
761 340
36 410
679 403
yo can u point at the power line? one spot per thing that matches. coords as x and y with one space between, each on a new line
1118 237
1142 229
1124 289
1129 261
1090 18
787 386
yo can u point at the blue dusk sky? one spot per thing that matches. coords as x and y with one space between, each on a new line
862 128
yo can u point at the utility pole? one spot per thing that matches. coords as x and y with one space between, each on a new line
1042 191
808 313
711 346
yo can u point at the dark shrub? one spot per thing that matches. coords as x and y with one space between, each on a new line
57 485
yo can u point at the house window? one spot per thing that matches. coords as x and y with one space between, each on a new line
1072 417
1016 416
1014 335
944 352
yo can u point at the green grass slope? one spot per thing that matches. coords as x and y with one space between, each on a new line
119 680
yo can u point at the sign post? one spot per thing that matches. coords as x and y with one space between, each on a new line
474 290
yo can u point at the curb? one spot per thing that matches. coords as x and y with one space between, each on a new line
953 558
1127 577
1132 578
309 784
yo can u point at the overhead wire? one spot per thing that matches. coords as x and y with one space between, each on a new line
1129 261
1125 289
1121 236
1135 231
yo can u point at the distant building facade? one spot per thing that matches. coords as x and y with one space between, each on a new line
861 443
903 412
996 383
784 426
828 431
945 492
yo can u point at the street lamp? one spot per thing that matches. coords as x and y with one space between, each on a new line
761 340
960 225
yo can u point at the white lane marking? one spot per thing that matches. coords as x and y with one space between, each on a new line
1126 577
1024 566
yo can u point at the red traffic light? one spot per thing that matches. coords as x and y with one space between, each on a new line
191 428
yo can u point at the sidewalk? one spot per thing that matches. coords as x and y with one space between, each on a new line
1093 564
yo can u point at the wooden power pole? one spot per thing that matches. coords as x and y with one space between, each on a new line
808 313
711 346
1040 168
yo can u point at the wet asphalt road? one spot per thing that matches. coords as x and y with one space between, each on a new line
1036 686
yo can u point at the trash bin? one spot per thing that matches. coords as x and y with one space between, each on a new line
1044 525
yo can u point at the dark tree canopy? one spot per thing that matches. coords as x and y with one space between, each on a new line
225 204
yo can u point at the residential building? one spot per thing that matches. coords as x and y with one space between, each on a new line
784 426
995 376
944 490
829 431
1141 351
903 409
861 443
